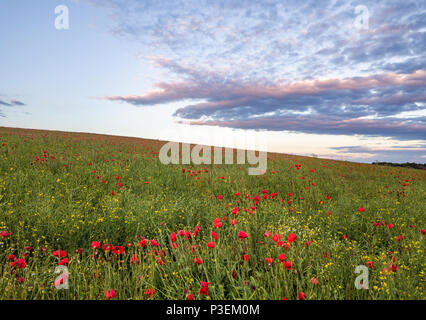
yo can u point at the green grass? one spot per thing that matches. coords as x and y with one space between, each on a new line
61 204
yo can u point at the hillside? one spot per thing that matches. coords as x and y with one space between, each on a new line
109 210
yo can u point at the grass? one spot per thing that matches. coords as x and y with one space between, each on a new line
56 194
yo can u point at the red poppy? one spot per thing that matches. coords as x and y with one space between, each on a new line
149 293
204 288
314 281
281 257
291 237
21 263
198 261
118 250
59 253
210 244
214 235
245 257
134 259
110 294
276 237
242 235
154 243
288 265
302 296
142 243
95 244
217 223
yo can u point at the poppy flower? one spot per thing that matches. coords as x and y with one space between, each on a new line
134 259
110 294
21 263
314 281
204 288
142 243
301 296
242 235
288 265
154 243
198 261
95 244
361 209
369 264
118 250
210 244
214 235
276 237
269 260
173 237
217 223
107 247
149 293
245 257
59 253
281 257
291 238
63 262
390 226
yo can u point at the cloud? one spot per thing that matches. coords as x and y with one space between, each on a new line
9 103
333 105
396 154
282 66
403 130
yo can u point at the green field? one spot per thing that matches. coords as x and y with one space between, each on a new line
67 191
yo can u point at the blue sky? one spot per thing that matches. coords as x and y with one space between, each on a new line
297 77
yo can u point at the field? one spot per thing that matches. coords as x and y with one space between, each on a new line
108 210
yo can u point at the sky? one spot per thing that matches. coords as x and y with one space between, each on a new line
343 80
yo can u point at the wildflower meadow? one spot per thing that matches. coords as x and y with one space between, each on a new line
85 216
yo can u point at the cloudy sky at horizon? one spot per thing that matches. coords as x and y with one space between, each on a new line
314 77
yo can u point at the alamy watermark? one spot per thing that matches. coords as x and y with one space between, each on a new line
181 153
361 282
362 18
61 282
62 20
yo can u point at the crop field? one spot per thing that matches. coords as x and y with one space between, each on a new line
85 216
